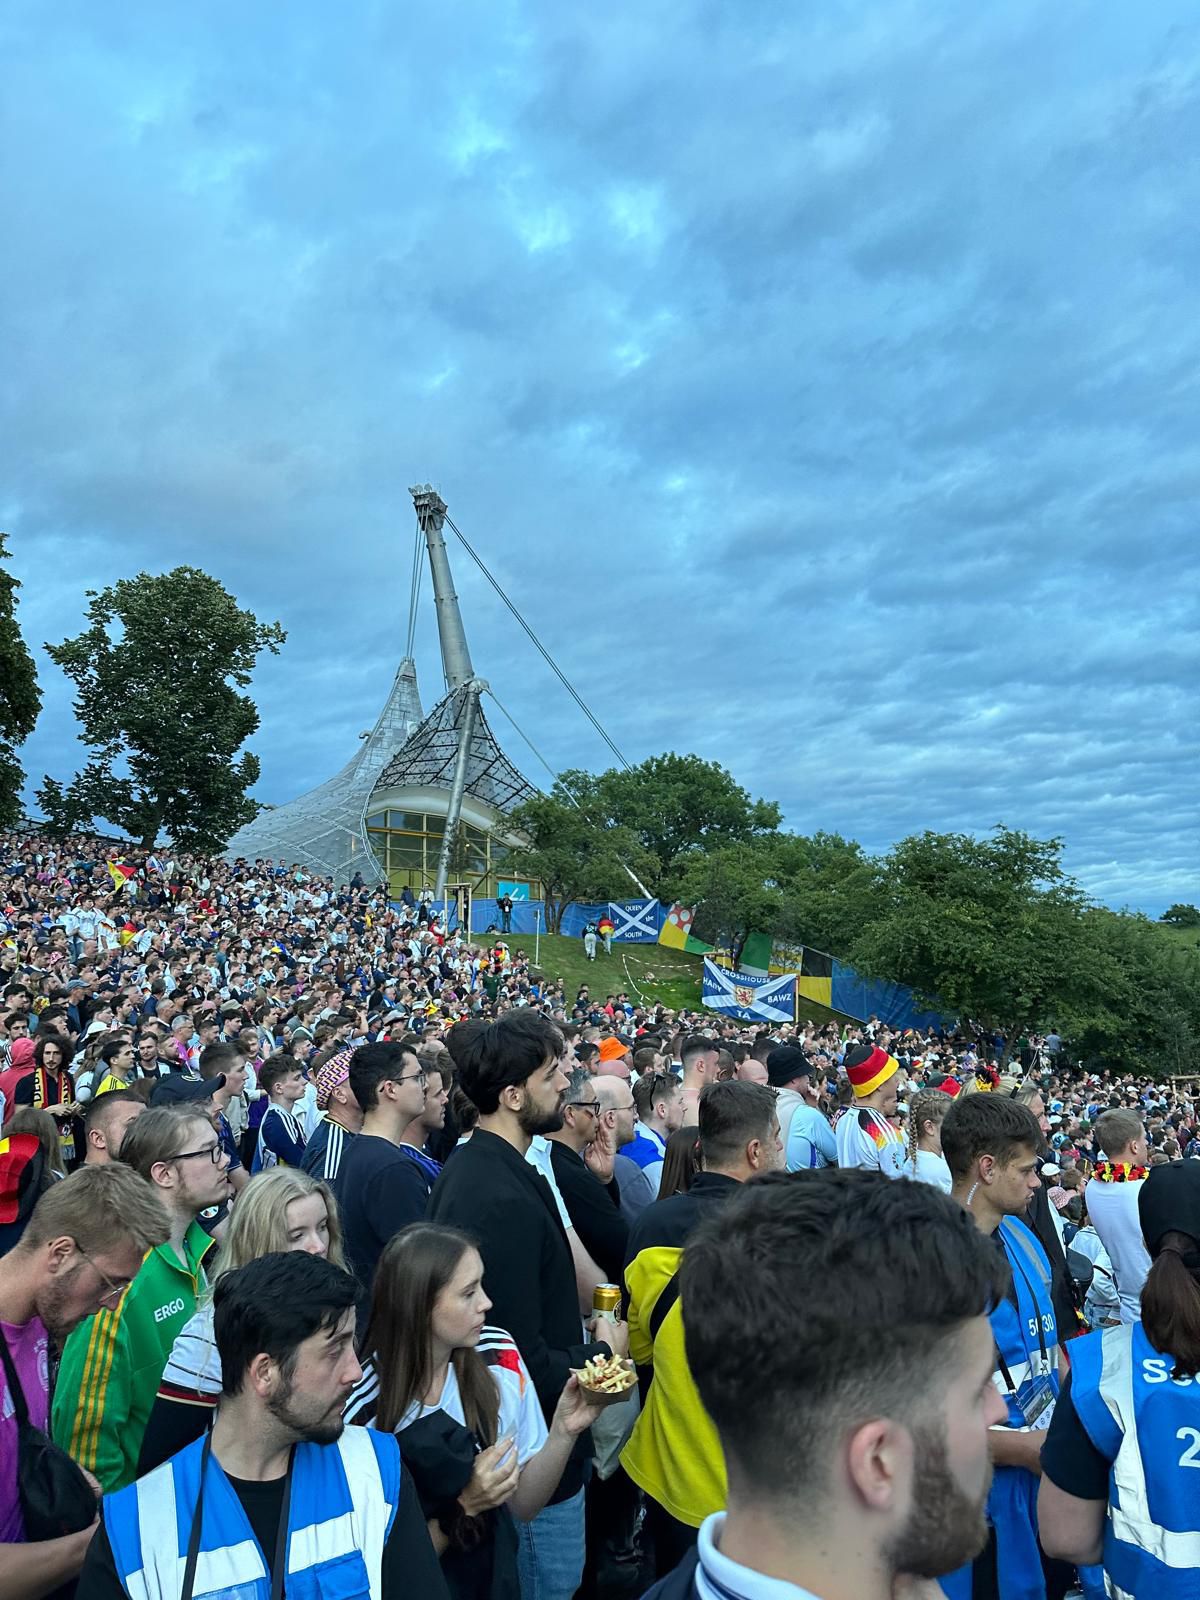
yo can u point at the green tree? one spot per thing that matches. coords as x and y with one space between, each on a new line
565 840
735 892
678 806
20 699
831 889
1181 916
156 674
986 928
1147 1018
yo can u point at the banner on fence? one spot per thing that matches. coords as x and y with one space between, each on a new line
749 996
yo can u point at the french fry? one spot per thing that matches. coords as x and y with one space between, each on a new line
605 1375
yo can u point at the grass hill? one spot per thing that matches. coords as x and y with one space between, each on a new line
652 973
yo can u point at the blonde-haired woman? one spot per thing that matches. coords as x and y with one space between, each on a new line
283 1209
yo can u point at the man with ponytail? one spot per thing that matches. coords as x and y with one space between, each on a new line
1118 1460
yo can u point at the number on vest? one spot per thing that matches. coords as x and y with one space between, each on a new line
1191 1456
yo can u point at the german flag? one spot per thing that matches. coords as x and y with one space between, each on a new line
120 872
816 976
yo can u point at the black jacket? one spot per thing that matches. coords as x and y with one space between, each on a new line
595 1210
494 1194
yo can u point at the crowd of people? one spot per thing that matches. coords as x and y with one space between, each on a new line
314 1211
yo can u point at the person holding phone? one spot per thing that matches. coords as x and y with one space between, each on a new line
474 1436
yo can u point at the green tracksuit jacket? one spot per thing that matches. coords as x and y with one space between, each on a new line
113 1361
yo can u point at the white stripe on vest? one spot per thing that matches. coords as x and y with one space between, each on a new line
1129 1508
240 1567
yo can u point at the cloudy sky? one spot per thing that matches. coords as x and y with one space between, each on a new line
821 380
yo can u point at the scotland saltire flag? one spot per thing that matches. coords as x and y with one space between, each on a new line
635 921
749 996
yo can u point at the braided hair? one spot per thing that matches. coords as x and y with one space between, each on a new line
930 1105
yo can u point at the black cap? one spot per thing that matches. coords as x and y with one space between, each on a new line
1170 1203
786 1062
178 1090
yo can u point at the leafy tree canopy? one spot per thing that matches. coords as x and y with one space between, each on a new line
156 674
20 699
567 842
678 806
1181 916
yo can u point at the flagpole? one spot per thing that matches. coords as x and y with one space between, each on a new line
537 934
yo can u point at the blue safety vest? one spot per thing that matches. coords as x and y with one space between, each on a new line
1026 1338
1147 1424
343 1503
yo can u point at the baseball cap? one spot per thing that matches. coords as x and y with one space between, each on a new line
177 1090
336 1071
786 1062
612 1049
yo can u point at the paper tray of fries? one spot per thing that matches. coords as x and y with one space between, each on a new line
606 1379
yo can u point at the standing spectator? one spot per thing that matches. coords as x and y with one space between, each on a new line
279 1479
82 1247
280 1136
50 1087
674 1455
341 1120
1112 1202
698 1060
659 1102
618 1120
280 1210
429 1356
224 1066
117 1065
505 906
582 1157
105 1121
807 1137
990 1144
865 1135
589 940
112 1363
416 1137
923 1158
510 1070
380 1189
1115 1481
895 1370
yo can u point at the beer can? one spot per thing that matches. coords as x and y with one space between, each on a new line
606 1301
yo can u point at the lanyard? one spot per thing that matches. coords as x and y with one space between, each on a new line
1041 1337
281 1538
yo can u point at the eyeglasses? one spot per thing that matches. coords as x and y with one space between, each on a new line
114 1290
412 1077
586 1105
632 1106
214 1152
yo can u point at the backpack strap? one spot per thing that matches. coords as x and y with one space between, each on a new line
668 1297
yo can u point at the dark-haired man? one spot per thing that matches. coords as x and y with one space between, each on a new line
511 1071
105 1120
990 1144
280 1482
878 1430
380 1190
673 1453
698 1066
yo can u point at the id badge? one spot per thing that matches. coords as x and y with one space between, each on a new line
1036 1399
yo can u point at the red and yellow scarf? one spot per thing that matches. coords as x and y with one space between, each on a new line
1118 1172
